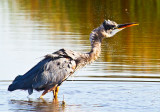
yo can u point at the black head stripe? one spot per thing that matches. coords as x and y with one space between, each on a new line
107 26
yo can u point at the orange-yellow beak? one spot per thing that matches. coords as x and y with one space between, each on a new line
120 26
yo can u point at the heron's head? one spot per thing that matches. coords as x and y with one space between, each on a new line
110 28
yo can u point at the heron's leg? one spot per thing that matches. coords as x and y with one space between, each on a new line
53 92
56 91
48 90
44 92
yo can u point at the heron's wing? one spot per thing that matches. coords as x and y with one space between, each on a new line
53 69
54 72
25 81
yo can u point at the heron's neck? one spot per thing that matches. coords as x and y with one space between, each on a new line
95 46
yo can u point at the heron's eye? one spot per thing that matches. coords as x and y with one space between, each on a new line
108 27
112 27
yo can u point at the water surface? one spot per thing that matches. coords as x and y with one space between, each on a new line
87 96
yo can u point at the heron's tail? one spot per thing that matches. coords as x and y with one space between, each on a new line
21 82
11 87
16 84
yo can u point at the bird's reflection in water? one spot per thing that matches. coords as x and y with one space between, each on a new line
41 105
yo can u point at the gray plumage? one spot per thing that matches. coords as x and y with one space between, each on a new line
55 68
52 70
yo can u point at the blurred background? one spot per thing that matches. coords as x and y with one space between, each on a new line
30 29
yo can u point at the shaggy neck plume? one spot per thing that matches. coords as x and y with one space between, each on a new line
95 40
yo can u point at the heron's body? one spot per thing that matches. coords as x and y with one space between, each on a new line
50 72
55 68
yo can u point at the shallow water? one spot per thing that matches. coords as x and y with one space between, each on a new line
125 77
87 96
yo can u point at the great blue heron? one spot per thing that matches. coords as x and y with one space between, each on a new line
55 68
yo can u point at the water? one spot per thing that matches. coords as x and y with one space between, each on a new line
87 96
125 77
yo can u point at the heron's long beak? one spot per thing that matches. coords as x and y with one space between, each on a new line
120 26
